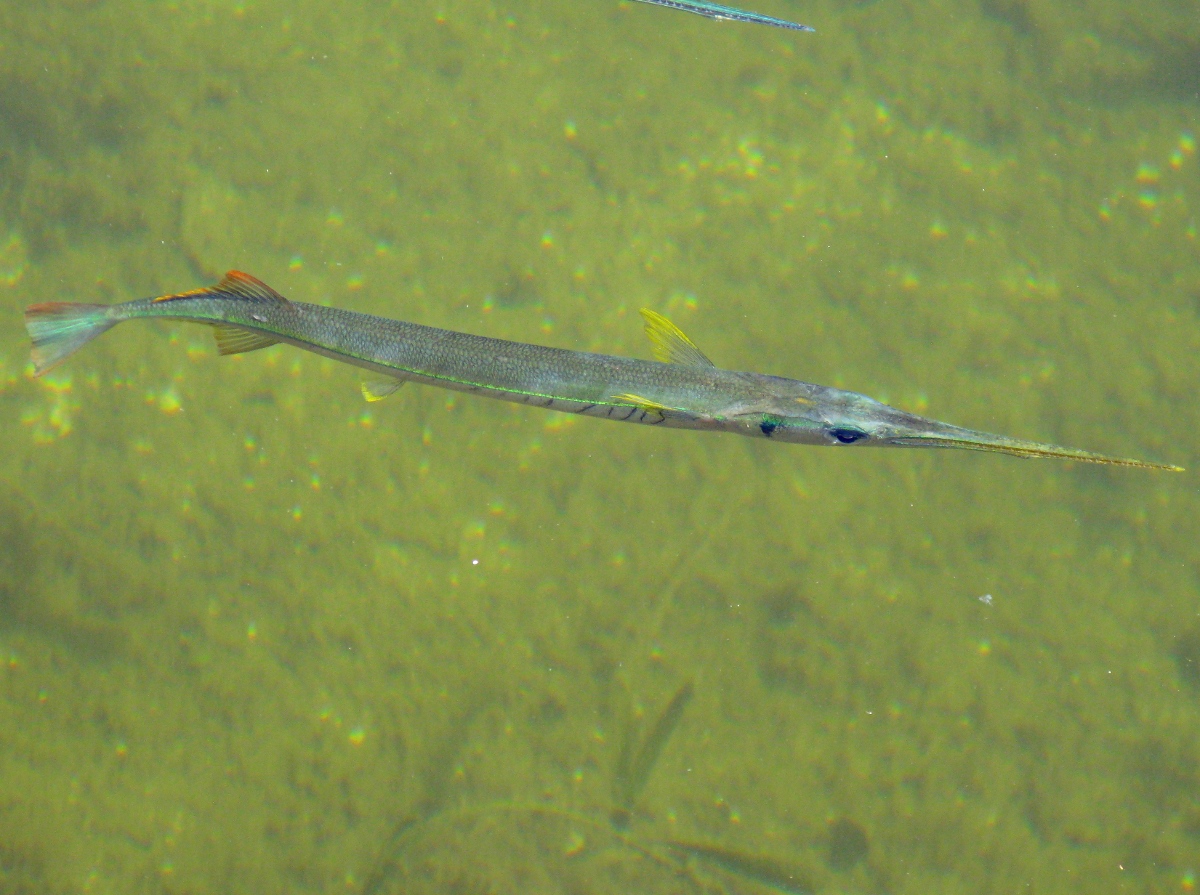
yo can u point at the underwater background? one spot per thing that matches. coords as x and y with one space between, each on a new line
258 636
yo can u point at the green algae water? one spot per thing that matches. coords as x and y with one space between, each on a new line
257 635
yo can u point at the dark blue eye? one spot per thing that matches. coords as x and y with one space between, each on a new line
848 436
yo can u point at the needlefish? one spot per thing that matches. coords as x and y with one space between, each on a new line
728 13
682 389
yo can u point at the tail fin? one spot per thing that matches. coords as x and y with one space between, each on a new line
59 329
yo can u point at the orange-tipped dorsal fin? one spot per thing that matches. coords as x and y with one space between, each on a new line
237 285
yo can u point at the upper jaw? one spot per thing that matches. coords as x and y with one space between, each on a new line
930 433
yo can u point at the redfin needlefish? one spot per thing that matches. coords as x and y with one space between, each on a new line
728 13
683 389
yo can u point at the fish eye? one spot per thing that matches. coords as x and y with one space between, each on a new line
847 436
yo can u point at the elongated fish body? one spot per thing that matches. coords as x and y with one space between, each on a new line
727 13
683 389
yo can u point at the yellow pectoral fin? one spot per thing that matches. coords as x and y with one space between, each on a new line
377 390
640 402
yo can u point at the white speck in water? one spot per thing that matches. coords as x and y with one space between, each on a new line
986 599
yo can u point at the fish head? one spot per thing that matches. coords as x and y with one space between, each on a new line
804 413
814 414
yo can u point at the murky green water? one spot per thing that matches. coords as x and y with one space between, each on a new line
258 636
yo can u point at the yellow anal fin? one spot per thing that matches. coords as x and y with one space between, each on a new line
235 340
378 389
671 346
237 285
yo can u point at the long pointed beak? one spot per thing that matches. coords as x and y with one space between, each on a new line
943 435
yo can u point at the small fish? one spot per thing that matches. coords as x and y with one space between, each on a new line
764 869
683 389
638 758
728 13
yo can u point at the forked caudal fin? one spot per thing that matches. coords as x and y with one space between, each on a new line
59 329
